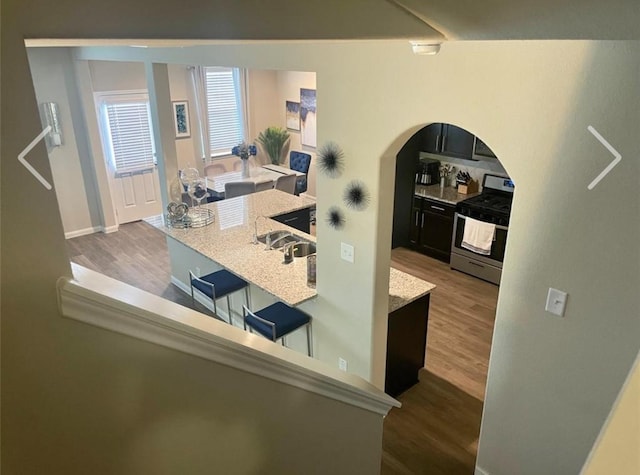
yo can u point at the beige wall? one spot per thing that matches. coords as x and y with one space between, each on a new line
544 370
289 85
551 381
617 448
71 164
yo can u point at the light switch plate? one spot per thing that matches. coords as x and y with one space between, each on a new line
342 364
346 252
556 302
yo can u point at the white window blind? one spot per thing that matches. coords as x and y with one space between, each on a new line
129 134
223 110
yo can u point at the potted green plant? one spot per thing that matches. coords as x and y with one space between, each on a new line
274 140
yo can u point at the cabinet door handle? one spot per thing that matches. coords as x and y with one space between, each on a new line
444 142
422 223
437 207
437 142
291 219
417 213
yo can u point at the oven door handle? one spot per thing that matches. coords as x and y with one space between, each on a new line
504 228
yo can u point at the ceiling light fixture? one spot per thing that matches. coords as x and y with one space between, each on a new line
425 48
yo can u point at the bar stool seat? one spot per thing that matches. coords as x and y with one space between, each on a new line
218 284
277 321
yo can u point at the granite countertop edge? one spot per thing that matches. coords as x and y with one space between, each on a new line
265 269
447 194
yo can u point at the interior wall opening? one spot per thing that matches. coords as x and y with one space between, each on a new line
447 181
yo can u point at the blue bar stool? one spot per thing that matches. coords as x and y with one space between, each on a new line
277 321
216 285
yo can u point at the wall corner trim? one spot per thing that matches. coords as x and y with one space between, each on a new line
95 299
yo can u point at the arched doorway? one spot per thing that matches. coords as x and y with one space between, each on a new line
446 405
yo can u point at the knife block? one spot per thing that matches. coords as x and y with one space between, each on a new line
467 189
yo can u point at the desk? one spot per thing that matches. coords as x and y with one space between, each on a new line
215 184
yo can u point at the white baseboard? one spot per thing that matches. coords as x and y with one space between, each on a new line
479 471
109 229
82 232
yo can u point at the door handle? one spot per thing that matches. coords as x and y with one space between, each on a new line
437 207
290 219
444 142
437 142
422 223
417 213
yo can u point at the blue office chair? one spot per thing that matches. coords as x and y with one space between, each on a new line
216 285
277 321
300 162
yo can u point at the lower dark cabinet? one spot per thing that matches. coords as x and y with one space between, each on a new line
406 345
432 228
299 220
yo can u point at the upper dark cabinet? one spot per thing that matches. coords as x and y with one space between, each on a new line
481 150
432 138
447 139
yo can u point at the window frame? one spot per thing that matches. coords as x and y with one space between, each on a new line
240 94
102 100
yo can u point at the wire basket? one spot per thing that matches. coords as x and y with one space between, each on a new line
195 218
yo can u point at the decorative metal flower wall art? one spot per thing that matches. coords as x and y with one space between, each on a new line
331 159
335 218
356 195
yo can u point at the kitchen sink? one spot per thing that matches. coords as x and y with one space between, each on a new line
303 249
279 239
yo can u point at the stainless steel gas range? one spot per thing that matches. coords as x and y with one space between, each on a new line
492 206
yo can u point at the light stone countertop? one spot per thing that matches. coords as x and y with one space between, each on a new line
447 194
228 242
405 288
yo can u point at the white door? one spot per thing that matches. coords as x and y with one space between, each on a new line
127 139
136 195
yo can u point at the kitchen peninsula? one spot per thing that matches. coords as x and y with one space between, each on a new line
229 243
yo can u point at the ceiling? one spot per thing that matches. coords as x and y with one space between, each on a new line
351 19
529 19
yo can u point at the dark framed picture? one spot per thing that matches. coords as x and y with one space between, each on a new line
293 115
181 119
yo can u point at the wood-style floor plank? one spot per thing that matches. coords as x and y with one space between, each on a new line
436 430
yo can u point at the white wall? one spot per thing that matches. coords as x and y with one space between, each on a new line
71 165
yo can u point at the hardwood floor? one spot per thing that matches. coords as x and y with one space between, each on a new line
436 430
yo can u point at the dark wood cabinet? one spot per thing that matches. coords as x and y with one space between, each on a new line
299 220
456 142
432 228
432 138
447 139
406 345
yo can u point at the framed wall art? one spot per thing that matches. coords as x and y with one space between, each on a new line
308 117
293 115
181 119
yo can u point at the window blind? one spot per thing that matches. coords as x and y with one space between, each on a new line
223 110
129 129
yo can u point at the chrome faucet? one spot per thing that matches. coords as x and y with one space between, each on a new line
288 252
273 243
255 228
